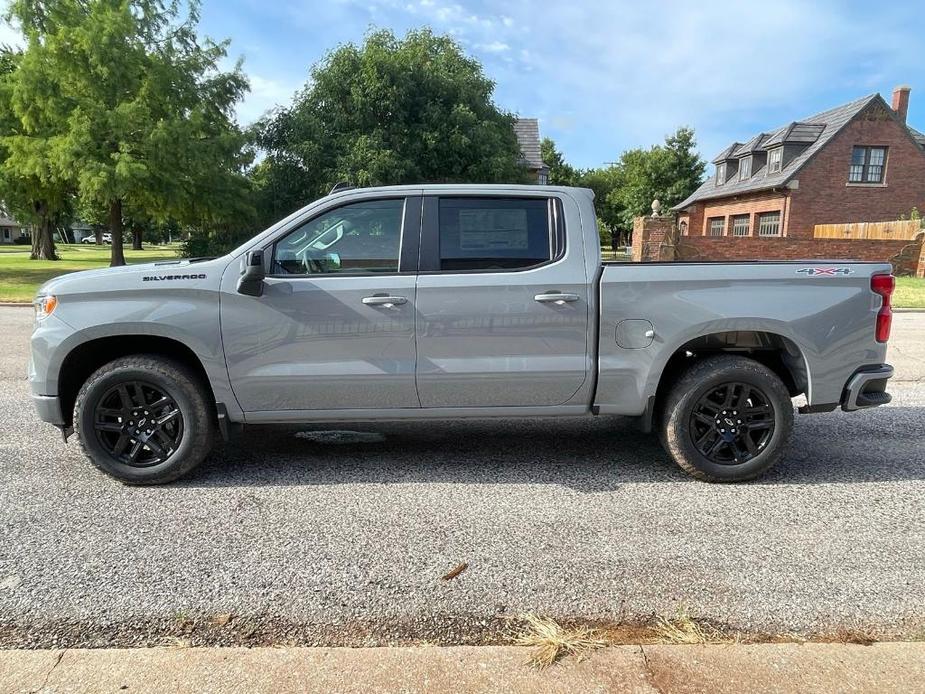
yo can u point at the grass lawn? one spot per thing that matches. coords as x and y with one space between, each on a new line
910 292
21 277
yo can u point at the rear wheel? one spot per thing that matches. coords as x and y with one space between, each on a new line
727 419
144 419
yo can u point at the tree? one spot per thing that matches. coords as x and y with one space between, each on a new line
668 172
560 172
606 181
389 111
30 187
145 114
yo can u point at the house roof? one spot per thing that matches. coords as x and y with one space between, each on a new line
815 132
752 145
8 222
917 136
528 135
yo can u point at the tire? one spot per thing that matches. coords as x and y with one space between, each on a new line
169 410
723 445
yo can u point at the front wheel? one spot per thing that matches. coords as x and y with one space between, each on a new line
727 419
144 419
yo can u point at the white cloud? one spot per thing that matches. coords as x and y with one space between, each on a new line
493 47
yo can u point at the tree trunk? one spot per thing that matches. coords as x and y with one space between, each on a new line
136 237
43 244
98 235
115 229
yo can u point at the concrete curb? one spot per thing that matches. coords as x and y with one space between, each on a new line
811 667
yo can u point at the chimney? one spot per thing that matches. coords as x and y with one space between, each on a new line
901 101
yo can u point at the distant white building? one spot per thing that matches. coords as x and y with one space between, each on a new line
10 230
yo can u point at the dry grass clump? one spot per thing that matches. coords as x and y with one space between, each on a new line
683 628
553 641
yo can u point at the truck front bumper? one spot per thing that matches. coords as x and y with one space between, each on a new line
867 388
49 409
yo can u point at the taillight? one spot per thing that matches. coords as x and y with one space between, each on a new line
884 286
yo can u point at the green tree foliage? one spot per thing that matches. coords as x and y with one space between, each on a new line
668 172
561 173
143 112
389 111
625 189
31 188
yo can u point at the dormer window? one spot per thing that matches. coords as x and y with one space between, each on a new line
745 168
775 160
720 174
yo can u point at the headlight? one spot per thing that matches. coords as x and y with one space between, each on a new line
44 306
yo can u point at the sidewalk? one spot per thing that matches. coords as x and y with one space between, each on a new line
894 667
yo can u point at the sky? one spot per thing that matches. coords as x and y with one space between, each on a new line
605 76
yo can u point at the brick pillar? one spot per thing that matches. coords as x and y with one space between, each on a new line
653 239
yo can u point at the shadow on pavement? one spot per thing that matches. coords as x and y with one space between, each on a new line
588 455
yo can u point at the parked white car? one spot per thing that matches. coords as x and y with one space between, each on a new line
107 238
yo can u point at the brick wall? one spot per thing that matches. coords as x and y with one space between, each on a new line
907 254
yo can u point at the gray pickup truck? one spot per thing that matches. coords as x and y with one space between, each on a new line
440 302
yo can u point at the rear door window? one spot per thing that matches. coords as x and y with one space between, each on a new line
491 234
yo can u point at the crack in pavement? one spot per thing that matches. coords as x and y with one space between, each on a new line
650 675
50 670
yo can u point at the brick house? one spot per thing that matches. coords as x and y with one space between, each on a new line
859 162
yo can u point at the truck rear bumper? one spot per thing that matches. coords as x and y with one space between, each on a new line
867 388
49 409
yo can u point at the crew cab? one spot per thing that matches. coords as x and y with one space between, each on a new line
449 301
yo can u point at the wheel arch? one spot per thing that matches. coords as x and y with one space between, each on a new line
88 356
779 352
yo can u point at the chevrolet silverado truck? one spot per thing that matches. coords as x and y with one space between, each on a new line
449 301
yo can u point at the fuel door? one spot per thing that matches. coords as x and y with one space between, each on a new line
635 333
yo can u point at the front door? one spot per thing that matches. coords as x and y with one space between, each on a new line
334 328
502 303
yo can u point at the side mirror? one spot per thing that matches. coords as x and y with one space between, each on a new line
252 274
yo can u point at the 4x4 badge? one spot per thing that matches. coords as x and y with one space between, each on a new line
825 271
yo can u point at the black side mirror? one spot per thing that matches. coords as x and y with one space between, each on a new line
252 274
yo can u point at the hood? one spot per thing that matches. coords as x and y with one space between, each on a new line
126 276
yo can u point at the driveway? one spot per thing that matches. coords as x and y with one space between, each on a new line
309 537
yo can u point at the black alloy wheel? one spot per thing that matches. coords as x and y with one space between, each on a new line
732 423
138 424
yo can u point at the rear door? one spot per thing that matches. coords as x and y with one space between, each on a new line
334 328
502 303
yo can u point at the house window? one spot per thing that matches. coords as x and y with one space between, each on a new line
769 224
775 160
7 235
717 226
683 228
720 174
542 178
745 168
867 165
740 225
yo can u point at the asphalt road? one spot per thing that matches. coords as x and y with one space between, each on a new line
344 539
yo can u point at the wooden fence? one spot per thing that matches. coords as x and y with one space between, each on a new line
904 230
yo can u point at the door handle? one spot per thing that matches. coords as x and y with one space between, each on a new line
556 298
387 301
